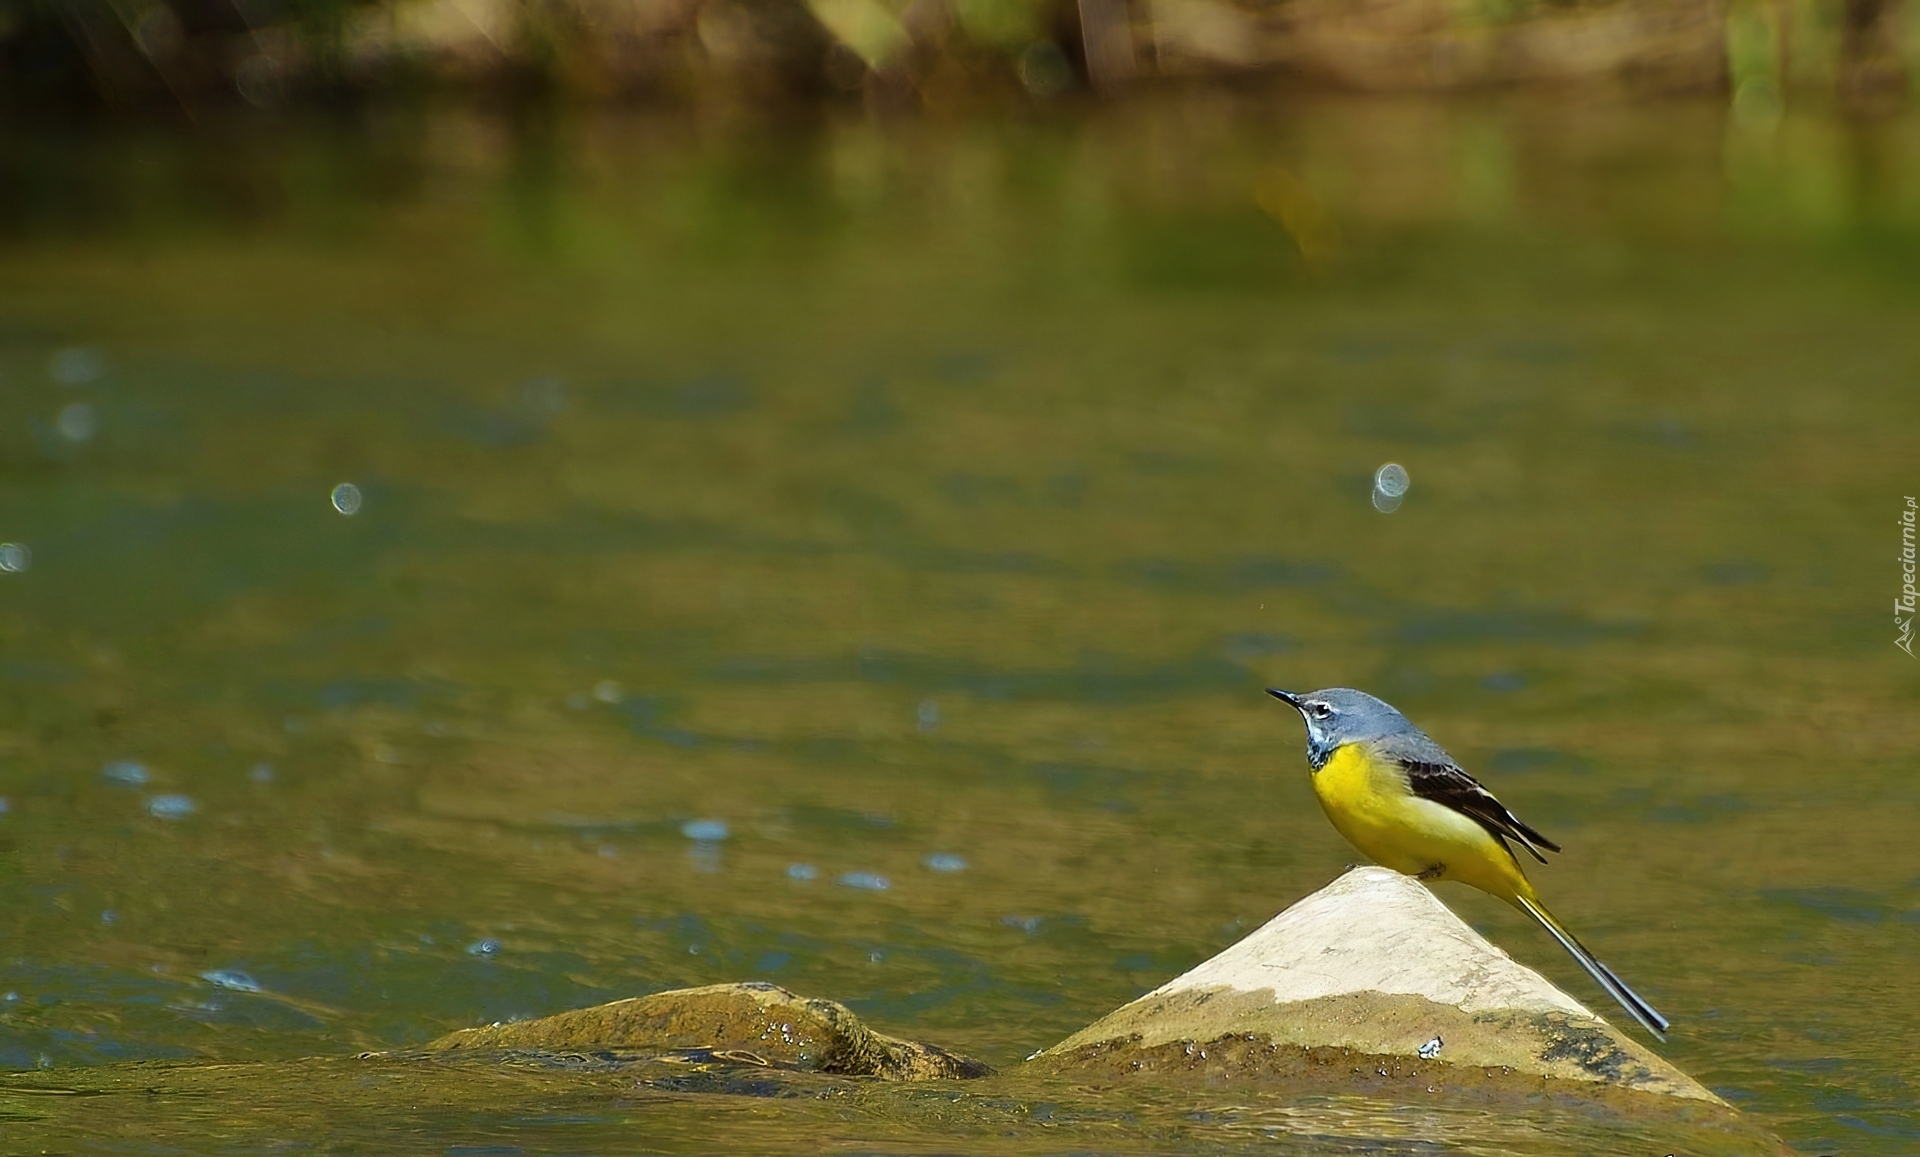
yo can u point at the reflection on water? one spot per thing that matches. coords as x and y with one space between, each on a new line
850 556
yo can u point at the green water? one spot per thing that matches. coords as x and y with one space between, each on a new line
936 487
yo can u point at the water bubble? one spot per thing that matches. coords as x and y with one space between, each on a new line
109 916
346 498
76 422
1028 924
704 830
928 714
261 773
1044 70
802 872
609 691
1391 480
15 557
259 79
231 978
5 807
1390 484
125 772
487 947
76 366
10 997
865 881
171 807
946 862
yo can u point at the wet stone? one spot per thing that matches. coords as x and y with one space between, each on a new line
752 1023
1373 965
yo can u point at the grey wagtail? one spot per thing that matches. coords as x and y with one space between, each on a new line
1402 800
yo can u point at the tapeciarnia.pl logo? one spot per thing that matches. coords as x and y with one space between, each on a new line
1904 605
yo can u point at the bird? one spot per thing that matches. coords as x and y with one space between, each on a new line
1399 798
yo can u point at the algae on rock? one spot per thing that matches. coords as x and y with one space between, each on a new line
749 1023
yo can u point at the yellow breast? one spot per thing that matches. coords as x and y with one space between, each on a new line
1369 802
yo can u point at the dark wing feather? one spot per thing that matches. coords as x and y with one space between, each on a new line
1449 786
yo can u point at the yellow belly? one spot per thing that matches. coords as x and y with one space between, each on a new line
1368 802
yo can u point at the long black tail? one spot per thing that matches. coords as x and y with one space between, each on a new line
1649 1017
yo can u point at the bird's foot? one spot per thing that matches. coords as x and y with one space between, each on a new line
1433 872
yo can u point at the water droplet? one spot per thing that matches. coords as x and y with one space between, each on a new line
802 872
261 773
1391 480
1390 484
1028 924
346 498
865 881
609 691
109 916
232 979
171 807
929 714
76 422
946 862
704 829
259 80
76 366
487 947
125 772
15 557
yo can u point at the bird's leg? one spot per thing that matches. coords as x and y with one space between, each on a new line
1433 872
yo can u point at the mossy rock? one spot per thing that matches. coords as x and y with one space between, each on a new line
749 1023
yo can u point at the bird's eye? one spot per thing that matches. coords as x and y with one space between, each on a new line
1320 710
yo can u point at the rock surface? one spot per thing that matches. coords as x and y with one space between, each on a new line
1375 966
752 1023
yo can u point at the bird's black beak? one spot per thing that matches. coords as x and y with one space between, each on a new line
1286 697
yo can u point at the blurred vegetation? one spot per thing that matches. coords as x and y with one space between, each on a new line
193 54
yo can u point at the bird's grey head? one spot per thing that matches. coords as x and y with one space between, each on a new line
1338 716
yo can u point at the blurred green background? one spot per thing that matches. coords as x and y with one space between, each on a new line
825 543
